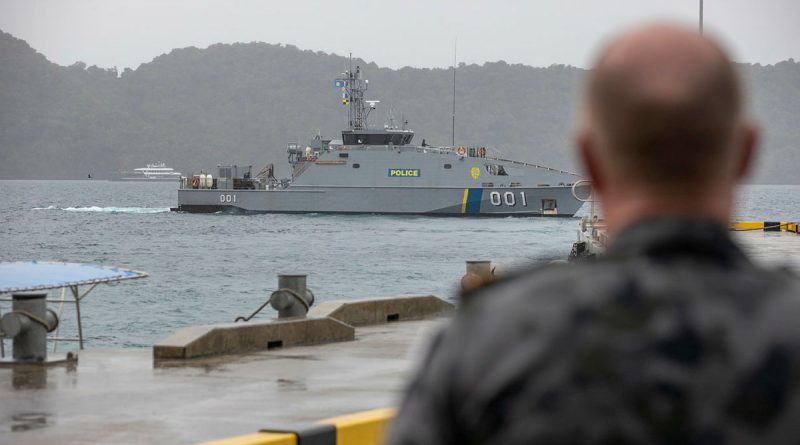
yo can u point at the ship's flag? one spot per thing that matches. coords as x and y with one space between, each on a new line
339 83
345 102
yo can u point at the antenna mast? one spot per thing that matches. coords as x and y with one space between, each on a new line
455 49
353 88
701 17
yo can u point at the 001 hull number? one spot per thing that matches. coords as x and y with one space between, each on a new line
227 198
508 198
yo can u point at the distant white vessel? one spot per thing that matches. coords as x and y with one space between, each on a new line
157 172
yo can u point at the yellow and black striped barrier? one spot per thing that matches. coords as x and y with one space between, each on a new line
766 226
364 428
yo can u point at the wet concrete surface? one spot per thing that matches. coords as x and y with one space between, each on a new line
775 249
118 396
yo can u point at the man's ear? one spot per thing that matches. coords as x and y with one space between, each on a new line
748 146
590 159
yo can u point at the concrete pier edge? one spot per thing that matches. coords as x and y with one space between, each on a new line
374 311
332 321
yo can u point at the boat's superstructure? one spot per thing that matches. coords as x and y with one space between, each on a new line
155 172
379 171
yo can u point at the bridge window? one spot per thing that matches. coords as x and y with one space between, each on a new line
448 166
356 165
344 155
496 170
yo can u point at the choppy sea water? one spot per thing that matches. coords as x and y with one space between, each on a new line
211 268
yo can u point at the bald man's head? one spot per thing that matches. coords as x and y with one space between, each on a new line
664 107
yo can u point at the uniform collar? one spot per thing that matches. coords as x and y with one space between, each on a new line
667 237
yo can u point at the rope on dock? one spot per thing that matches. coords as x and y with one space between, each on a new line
291 292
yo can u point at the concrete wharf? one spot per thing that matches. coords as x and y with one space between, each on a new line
118 396
771 248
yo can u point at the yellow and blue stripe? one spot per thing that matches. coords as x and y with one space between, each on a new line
471 201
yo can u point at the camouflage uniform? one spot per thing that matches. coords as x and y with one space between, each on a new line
673 337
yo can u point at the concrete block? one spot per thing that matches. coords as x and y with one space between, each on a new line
236 338
383 310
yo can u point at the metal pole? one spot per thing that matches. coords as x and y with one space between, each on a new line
349 89
60 312
455 52
701 17
2 343
75 294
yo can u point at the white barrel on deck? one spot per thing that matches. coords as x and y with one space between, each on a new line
209 181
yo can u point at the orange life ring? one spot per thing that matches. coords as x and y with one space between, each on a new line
482 152
195 182
462 151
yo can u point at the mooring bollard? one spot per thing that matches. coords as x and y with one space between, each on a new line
478 274
28 324
293 298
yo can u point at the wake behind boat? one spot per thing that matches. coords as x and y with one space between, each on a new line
379 171
157 172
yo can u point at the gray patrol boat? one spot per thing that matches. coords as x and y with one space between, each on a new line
379 171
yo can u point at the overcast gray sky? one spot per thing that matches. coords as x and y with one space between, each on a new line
125 33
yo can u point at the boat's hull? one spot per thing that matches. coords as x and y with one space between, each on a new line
440 201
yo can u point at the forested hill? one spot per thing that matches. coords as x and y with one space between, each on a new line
241 103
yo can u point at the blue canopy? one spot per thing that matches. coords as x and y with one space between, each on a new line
38 275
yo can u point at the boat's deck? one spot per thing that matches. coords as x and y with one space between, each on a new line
117 396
